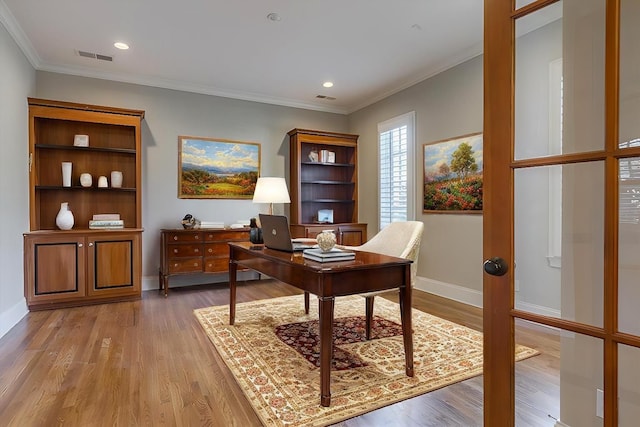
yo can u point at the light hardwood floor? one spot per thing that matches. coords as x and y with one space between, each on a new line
149 362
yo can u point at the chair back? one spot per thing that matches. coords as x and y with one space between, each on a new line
399 239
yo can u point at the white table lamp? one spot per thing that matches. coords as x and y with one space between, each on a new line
271 190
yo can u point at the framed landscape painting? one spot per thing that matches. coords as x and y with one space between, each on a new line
453 175
210 168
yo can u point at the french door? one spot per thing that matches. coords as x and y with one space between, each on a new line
562 208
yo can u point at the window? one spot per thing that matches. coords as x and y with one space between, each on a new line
396 174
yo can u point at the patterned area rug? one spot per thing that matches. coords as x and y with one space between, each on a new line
279 375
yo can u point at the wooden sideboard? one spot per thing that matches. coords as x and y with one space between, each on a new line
196 251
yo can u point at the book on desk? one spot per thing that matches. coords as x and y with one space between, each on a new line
335 254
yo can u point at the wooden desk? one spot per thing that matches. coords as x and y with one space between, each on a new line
368 272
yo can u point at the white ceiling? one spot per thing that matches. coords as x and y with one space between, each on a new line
370 49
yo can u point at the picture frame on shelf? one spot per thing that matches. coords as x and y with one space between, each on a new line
214 168
452 178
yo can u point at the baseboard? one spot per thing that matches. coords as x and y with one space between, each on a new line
560 424
150 283
10 317
538 309
450 291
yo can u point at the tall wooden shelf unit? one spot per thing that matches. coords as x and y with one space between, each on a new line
317 185
82 266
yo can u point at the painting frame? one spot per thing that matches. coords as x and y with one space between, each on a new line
452 175
216 168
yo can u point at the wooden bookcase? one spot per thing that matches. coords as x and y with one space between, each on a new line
325 184
81 265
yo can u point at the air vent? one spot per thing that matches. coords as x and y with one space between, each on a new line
328 98
95 56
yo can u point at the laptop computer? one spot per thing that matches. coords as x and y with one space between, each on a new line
276 234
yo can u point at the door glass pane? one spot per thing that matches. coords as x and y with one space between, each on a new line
628 386
629 73
557 386
559 241
559 83
523 3
629 245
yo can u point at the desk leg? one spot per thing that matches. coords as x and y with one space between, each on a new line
326 347
233 268
306 302
407 328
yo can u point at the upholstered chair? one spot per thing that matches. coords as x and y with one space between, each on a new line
399 239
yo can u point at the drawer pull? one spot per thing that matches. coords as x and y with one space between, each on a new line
196 250
175 251
175 237
196 237
175 265
195 264
210 250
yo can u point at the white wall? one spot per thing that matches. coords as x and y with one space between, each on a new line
170 113
447 105
17 82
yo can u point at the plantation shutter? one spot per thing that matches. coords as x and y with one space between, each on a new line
395 138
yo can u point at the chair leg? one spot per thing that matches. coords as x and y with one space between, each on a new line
369 316
306 302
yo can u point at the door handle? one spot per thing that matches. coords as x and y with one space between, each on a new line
496 266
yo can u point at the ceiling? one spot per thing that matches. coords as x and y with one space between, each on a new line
370 49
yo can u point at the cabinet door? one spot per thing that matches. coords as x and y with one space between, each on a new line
352 234
113 266
54 268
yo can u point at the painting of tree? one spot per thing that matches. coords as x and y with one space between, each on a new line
217 168
453 175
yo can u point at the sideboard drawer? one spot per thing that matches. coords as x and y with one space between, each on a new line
184 237
226 235
184 265
216 265
181 251
216 249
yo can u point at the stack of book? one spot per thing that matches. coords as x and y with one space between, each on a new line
106 222
211 224
335 254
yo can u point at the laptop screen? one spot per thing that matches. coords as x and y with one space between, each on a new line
276 234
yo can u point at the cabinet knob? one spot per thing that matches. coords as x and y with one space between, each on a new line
175 251
175 265
79 245
175 237
90 244
196 237
210 250
196 250
195 264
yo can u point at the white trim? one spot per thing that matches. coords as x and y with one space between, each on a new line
450 291
9 318
408 120
150 283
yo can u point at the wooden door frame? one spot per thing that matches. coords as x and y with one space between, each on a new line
498 294
498 324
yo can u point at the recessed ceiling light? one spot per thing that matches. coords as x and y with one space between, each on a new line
273 17
121 46
327 84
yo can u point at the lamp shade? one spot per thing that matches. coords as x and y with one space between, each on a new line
271 190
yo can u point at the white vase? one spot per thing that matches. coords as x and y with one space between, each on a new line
66 174
86 180
116 179
326 240
64 219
